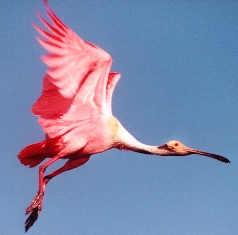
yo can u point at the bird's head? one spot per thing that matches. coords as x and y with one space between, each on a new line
176 148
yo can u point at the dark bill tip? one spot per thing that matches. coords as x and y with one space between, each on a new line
212 155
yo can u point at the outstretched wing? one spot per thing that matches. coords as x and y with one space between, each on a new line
78 85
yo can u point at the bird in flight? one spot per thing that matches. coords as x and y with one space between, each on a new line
75 111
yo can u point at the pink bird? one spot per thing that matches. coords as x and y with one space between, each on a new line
75 109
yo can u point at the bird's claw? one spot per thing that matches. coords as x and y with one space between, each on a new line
34 210
35 203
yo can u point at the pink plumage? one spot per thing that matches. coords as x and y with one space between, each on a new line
75 109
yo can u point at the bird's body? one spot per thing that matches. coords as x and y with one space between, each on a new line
75 109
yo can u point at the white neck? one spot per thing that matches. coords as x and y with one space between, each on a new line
126 141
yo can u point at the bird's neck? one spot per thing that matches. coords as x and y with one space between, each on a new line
126 141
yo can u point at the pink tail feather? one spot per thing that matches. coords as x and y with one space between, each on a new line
33 154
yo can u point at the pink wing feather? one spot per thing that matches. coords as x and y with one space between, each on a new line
77 85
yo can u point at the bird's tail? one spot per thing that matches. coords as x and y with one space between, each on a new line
33 154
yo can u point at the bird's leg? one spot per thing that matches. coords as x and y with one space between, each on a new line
36 204
35 207
69 165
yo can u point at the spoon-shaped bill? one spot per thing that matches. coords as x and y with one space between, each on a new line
212 155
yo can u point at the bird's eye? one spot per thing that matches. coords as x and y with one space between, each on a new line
176 144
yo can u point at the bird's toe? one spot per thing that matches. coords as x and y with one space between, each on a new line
36 203
32 218
34 210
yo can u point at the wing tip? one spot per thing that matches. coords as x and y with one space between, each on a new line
45 3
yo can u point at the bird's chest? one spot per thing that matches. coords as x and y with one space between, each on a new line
102 136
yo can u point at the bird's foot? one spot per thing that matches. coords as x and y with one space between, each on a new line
36 203
34 210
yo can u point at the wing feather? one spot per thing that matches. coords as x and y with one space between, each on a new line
52 47
55 29
47 35
77 86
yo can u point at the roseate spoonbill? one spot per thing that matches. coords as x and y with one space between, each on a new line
75 109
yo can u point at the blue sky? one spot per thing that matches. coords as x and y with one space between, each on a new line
178 61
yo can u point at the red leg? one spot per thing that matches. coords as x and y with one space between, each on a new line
69 165
36 204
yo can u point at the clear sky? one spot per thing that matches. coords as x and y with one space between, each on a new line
178 61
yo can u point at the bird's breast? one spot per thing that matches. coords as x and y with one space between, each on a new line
102 136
